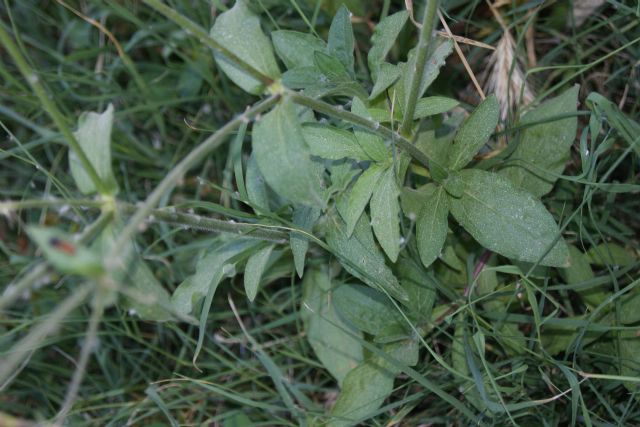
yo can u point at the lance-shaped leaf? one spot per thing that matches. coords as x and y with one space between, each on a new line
371 143
341 42
94 137
297 49
368 310
474 133
334 341
432 226
388 74
507 220
254 269
304 217
433 105
283 156
360 195
238 30
544 148
382 41
332 143
360 256
385 208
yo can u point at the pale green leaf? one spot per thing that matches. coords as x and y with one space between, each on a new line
341 42
94 137
332 143
433 105
238 30
296 49
360 256
508 220
360 195
413 200
152 295
331 67
210 270
304 217
254 270
432 226
420 286
474 133
388 74
383 39
385 209
335 343
544 148
365 308
283 156
579 272
256 186
64 253
371 143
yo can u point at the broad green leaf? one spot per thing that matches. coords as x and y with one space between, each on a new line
67 256
388 74
383 39
254 269
238 30
94 137
153 295
413 200
256 187
304 78
365 308
341 42
580 271
433 105
385 208
304 217
543 148
360 256
474 133
297 49
210 270
360 195
365 388
437 145
432 226
508 220
371 143
630 357
611 254
335 343
332 143
283 157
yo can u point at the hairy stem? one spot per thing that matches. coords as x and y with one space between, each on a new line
424 45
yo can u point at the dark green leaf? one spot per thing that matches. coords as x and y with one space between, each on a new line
254 269
433 105
508 220
360 195
544 148
387 75
304 217
331 67
283 157
611 254
365 308
413 200
371 143
432 226
474 133
238 30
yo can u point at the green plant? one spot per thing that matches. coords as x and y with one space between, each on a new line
365 171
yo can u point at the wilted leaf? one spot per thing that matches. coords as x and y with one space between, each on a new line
508 220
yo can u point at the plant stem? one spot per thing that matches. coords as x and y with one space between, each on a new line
47 104
424 45
204 37
402 142
194 157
